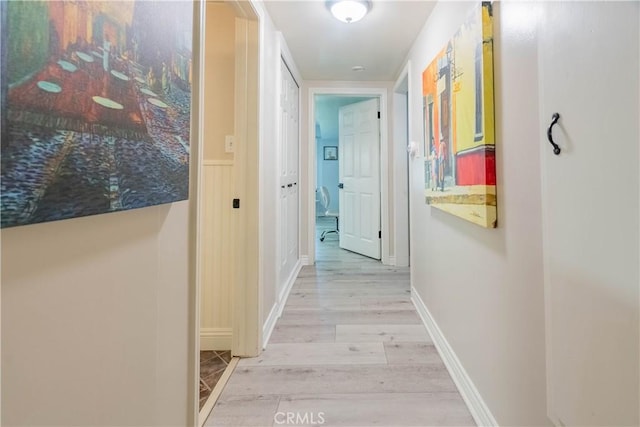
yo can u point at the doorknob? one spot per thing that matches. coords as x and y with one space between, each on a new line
341 185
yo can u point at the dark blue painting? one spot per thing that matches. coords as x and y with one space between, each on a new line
96 107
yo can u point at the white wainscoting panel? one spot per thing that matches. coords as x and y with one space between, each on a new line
218 260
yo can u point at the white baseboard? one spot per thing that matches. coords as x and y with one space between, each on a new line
478 408
282 298
276 310
391 260
401 261
304 260
267 328
215 338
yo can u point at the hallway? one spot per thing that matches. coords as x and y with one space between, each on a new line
349 350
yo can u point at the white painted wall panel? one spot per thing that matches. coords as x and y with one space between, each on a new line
484 287
100 303
590 244
218 253
98 317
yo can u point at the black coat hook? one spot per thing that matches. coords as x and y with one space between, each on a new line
554 120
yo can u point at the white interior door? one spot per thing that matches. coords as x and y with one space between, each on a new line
288 179
359 172
589 75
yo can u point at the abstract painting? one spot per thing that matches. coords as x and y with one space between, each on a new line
96 107
457 88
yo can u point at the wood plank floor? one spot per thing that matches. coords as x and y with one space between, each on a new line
349 350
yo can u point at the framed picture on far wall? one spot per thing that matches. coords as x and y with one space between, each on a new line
331 153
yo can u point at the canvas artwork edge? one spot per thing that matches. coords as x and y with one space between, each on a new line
474 203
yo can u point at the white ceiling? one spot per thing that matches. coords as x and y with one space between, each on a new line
324 48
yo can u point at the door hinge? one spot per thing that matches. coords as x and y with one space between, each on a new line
378 114
379 234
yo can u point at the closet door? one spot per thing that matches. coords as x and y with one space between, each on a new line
288 171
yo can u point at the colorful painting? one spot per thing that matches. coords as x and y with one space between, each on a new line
457 87
96 107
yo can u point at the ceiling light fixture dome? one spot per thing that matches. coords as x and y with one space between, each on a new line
349 11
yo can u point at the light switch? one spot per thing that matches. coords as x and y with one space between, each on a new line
228 143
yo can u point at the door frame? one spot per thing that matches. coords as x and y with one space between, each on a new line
246 296
382 94
246 335
195 217
402 140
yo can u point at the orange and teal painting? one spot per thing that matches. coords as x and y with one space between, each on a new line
96 107
457 88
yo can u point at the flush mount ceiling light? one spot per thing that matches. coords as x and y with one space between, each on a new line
349 11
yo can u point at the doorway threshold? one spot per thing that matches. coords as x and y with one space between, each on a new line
207 406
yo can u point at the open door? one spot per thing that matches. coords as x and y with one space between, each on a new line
359 172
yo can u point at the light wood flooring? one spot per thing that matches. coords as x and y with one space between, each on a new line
349 350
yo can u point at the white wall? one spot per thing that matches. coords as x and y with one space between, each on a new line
98 314
95 320
484 287
219 79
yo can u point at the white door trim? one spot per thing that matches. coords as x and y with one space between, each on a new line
402 136
381 93
246 297
195 219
